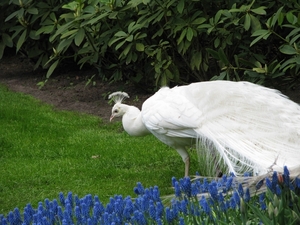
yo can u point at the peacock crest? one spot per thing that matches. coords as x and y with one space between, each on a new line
118 96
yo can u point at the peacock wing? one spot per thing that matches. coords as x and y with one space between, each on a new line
170 113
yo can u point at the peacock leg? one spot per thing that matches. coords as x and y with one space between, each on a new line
186 159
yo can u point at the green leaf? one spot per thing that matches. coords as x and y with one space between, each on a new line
21 40
52 68
236 59
120 44
180 6
7 40
291 18
259 70
217 42
214 53
120 34
255 24
64 45
293 32
2 47
196 60
127 49
262 34
247 22
182 35
294 39
61 30
79 36
133 26
114 40
280 19
260 10
139 47
13 15
276 17
33 11
45 30
218 16
69 33
223 57
288 50
189 34
199 20
290 63
129 38
96 19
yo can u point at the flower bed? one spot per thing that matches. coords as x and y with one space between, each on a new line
198 201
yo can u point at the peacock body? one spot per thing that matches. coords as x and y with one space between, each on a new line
249 127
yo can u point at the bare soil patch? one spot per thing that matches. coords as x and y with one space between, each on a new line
67 89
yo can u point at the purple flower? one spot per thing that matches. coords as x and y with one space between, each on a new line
277 190
269 185
177 189
262 202
97 210
259 184
213 191
62 198
297 181
139 189
173 181
156 194
185 184
183 207
169 215
159 210
286 176
205 185
236 198
194 189
77 200
60 213
78 214
247 195
11 218
152 211
4 221
181 221
205 205
26 217
241 190
229 183
232 203
70 198
18 219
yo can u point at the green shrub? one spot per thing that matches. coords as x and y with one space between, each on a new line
155 43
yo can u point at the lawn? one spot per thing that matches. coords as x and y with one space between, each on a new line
44 151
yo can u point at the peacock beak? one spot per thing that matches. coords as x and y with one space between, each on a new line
111 118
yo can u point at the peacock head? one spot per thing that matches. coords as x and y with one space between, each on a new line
117 110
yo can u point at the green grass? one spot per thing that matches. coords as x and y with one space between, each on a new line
44 151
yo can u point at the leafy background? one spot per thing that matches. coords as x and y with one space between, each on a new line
154 43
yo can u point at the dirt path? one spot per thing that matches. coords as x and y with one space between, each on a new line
68 91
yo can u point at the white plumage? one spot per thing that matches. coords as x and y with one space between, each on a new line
250 127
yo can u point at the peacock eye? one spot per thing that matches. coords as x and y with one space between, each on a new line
116 111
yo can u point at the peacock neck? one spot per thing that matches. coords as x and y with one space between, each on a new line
132 122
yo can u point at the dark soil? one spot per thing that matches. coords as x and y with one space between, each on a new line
67 89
